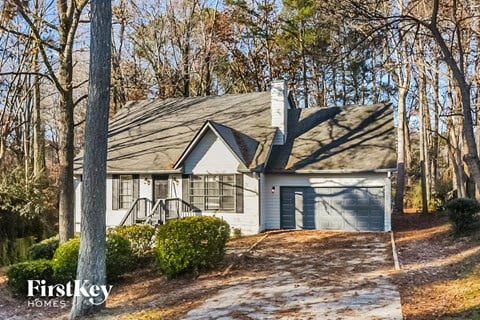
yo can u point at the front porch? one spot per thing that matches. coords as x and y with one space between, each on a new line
145 211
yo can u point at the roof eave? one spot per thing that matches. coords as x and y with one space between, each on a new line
166 171
333 171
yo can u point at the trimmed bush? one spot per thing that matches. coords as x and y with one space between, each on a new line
191 244
65 259
19 273
463 214
142 240
44 249
118 258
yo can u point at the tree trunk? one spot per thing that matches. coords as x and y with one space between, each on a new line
454 125
423 143
437 110
400 189
38 133
26 139
423 126
66 218
69 18
91 260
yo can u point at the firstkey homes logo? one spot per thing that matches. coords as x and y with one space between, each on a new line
95 294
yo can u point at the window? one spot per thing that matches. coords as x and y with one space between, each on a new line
216 192
124 190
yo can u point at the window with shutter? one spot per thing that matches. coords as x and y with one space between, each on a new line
216 192
124 190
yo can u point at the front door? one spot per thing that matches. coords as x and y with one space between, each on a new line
160 188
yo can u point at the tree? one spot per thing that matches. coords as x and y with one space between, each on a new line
58 39
91 260
447 25
401 73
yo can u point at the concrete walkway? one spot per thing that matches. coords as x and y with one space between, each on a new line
323 276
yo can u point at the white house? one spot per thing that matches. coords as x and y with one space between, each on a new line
252 159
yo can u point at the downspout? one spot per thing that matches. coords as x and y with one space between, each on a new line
260 201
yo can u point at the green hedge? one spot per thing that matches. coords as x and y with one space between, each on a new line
44 249
118 258
19 273
191 244
13 251
464 215
65 260
142 240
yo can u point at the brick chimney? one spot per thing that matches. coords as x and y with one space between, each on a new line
279 107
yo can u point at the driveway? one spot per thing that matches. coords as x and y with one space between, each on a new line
309 275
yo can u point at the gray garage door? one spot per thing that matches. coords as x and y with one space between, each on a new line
352 208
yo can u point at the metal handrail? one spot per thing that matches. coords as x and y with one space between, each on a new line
130 211
161 205
157 205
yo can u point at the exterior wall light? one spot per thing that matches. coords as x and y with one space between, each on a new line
273 189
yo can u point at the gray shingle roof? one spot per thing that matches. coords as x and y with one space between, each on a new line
150 136
244 146
348 138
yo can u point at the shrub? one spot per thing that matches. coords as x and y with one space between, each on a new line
142 240
413 198
44 249
65 259
191 244
25 208
118 258
19 273
463 214
15 250
237 233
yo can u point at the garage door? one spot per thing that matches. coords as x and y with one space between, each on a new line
352 208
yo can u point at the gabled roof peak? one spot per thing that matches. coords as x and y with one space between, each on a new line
241 145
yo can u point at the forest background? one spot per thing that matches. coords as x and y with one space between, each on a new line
420 56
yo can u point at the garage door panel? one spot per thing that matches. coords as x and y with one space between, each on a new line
350 208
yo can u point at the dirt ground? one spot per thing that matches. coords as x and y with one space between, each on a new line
440 275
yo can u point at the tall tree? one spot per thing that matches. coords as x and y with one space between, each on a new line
91 260
62 43
401 73
447 24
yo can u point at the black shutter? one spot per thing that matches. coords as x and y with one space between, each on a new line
115 200
239 193
136 186
186 192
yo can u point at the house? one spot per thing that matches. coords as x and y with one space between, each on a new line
252 159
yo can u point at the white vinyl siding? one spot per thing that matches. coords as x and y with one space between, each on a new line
113 217
210 156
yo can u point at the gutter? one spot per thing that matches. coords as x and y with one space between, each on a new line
168 171
333 171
